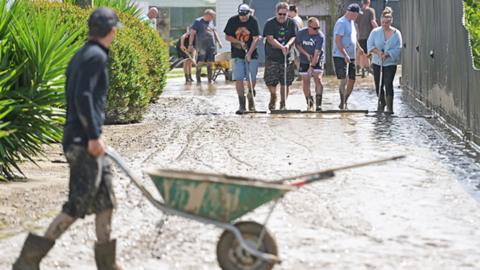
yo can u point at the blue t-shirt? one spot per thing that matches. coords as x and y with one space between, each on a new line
346 29
205 37
310 44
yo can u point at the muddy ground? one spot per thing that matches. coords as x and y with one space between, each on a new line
416 213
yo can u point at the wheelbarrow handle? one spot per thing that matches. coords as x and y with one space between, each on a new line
113 155
304 179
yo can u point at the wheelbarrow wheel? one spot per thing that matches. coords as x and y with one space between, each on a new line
230 254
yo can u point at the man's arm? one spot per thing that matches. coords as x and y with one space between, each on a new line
290 42
274 42
193 35
373 21
338 43
303 51
316 58
255 41
83 99
233 40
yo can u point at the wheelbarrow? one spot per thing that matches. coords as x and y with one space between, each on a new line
220 200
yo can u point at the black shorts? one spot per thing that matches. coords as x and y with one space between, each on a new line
90 186
341 68
181 54
274 73
303 70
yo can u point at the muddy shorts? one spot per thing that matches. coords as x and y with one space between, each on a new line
206 54
274 73
341 68
90 186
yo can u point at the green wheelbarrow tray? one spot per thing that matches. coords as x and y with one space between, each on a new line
219 199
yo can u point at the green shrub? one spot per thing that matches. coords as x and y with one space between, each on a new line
155 49
472 19
129 88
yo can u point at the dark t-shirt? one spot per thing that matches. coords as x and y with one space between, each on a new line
364 22
205 37
242 31
282 32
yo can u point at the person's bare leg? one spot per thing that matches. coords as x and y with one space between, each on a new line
341 90
210 72
306 85
317 79
58 226
103 225
306 90
349 89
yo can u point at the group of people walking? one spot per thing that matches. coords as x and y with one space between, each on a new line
356 34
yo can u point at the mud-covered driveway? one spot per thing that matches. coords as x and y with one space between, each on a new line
415 213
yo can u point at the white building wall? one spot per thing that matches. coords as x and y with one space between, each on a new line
225 9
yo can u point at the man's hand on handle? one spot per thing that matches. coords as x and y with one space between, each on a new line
96 147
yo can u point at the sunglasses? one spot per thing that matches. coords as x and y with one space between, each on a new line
282 14
315 28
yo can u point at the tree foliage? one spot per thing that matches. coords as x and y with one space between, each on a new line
472 22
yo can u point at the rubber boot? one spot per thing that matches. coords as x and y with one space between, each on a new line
187 80
318 103
105 256
198 75
342 105
34 249
310 105
381 103
272 103
190 77
282 104
389 101
241 108
251 102
210 74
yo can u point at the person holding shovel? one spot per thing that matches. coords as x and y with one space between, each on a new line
183 53
243 33
309 42
344 50
90 185
385 42
280 32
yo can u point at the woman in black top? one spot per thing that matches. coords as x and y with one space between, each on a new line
182 51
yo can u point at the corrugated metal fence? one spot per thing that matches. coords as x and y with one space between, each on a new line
437 65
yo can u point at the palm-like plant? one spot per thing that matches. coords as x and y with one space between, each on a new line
33 82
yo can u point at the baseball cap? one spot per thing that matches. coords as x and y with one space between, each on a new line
354 8
102 20
243 9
